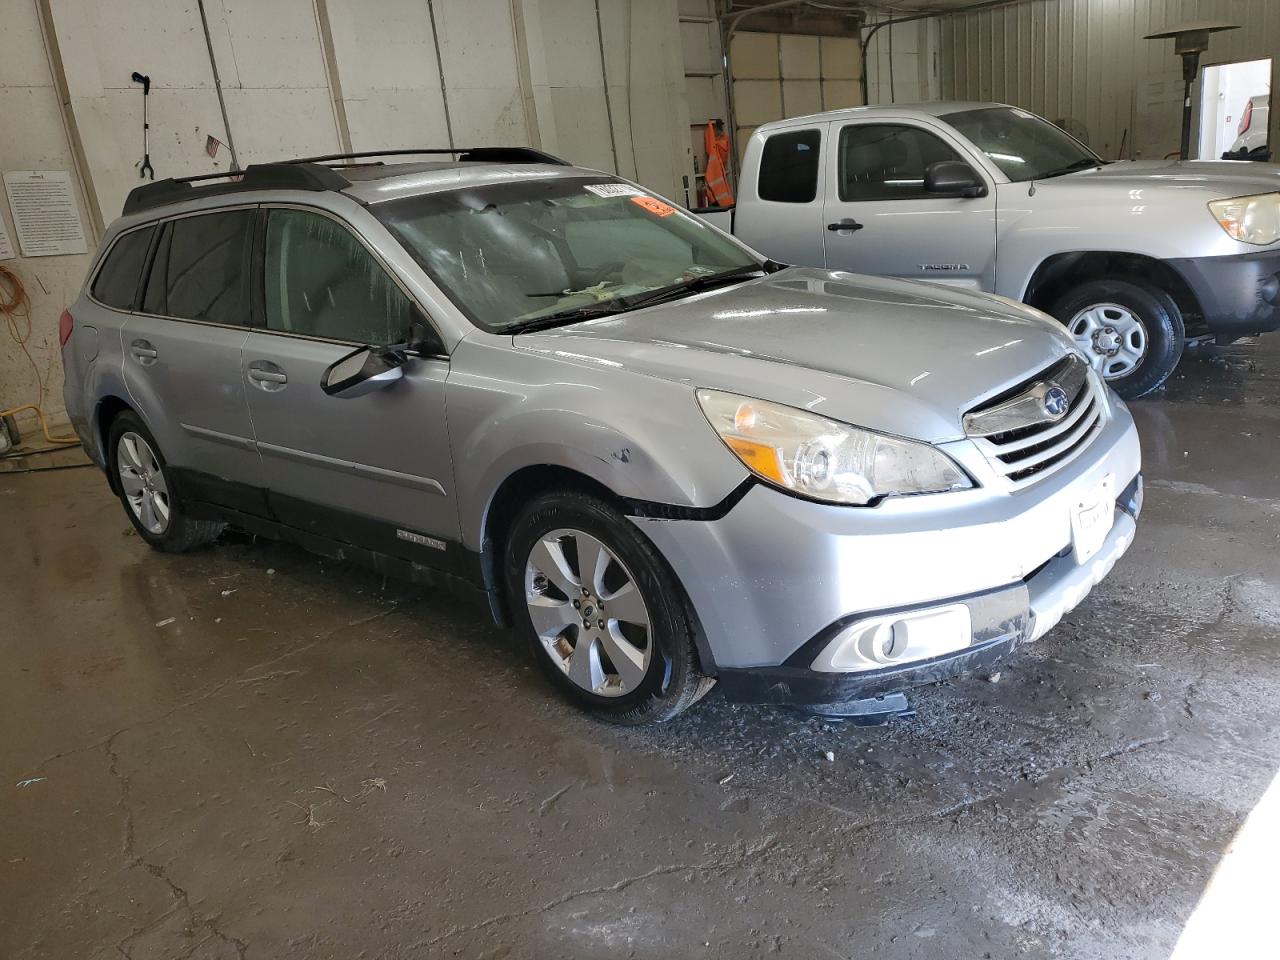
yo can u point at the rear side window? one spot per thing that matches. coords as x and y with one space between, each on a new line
789 167
884 161
199 269
117 282
322 282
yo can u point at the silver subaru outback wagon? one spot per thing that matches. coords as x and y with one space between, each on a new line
666 460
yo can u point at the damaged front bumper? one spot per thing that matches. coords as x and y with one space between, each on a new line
910 592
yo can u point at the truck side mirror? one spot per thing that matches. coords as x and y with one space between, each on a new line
363 371
953 178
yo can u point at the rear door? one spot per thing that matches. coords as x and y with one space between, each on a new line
372 470
182 356
880 220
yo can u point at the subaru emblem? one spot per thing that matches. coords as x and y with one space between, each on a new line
1055 402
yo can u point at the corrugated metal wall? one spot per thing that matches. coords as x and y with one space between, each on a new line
1085 60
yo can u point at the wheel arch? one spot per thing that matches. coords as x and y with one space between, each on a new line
520 487
1056 274
107 409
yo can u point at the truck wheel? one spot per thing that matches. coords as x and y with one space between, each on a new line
1131 331
603 613
146 490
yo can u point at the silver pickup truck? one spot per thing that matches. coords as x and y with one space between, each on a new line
1135 258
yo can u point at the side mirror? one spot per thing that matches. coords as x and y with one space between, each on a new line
363 371
953 178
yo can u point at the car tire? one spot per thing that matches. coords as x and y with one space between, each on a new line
657 674
144 484
1109 317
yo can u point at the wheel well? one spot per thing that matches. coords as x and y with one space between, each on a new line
518 489
1057 274
108 409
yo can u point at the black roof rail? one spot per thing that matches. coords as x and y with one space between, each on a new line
257 176
464 154
308 173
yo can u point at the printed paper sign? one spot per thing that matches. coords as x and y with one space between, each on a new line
45 215
6 248
614 190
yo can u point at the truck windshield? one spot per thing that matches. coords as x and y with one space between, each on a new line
531 253
1021 144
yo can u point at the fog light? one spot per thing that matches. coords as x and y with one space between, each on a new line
895 639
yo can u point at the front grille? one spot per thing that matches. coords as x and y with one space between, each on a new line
1022 440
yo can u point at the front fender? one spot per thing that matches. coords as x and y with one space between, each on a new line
639 437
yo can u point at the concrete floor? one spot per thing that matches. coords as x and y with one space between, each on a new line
252 752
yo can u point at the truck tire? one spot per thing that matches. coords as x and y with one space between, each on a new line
1130 330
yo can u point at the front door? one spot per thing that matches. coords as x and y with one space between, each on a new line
880 220
372 470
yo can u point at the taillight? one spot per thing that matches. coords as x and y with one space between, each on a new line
65 323
1244 120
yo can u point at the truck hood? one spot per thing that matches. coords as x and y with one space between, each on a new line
897 356
1218 178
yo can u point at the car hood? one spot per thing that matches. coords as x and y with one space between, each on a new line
1220 178
898 356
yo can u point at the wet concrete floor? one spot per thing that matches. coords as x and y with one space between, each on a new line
253 752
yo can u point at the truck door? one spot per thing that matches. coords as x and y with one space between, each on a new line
879 219
779 208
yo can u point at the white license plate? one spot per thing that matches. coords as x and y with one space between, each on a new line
1091 519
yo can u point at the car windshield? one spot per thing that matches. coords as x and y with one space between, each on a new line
530 253
1021 144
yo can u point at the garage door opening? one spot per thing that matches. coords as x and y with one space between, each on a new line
1235 106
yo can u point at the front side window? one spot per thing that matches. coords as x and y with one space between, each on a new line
508 254
322 282
117 282
1022 145
789 167
885 161
199 269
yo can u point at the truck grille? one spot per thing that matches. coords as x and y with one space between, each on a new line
1040 425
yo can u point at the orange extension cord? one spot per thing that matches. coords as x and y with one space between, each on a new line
16 307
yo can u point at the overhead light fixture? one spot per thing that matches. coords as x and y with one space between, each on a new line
1189 41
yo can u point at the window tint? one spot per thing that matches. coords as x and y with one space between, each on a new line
198 272
789 167
322 282
887 162
117 282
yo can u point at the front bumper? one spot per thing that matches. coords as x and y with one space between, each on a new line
775 579
1238 295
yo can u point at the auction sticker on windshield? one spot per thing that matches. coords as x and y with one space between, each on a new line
614 190
654 206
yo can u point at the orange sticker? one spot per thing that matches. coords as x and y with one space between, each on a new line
654 206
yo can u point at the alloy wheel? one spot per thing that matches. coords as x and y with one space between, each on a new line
1112 337
143 482
588 612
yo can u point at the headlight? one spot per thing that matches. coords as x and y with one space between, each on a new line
1253 219
825 459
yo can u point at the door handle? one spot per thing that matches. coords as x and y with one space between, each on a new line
267 375
847 223
143 352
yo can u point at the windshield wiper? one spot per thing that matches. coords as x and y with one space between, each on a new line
1083 163
695 285
606 308
586 312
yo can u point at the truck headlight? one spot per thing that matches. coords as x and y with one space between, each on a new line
1254 219
825 459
